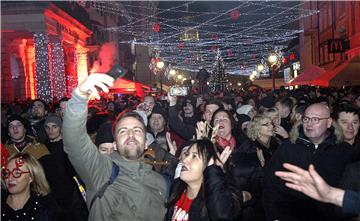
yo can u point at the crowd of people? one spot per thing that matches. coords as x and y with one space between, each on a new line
240 155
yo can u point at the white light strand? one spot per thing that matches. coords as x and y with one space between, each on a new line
43 82
243 41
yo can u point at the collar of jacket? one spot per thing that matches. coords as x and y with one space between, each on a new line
135 168
329 139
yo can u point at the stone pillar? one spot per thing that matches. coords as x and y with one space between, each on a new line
57 67
43 81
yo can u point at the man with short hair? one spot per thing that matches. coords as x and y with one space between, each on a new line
347 116
149 103
63 186
137 192
186 129
315 143
39 110
285 105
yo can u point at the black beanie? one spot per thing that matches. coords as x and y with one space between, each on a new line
23 121
159 110
104 134
242 118
268 101
190 99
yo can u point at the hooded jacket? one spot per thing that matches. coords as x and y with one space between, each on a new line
137 193
329 158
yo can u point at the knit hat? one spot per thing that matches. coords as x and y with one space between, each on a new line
104 134
23 121
53 119
267 101
244 109
158 110
242 118
189 99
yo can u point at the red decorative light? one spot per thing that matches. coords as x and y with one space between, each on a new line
156 27
230 53
292 56
285 60
181 45
214 37
214 48
235 14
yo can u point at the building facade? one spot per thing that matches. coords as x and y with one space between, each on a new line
335 20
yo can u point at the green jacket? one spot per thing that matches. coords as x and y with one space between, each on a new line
138 193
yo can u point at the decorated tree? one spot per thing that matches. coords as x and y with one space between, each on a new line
218 78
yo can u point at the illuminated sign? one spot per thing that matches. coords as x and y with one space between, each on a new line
338 45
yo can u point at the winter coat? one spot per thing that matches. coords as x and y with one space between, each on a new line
329 158
41 208
137 193
197 212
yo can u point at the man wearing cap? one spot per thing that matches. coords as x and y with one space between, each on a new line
20 142
64 188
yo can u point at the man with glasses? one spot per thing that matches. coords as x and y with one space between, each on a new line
316 142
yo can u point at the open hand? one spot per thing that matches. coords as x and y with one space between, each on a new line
88 87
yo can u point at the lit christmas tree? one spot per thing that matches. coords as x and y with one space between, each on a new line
218 78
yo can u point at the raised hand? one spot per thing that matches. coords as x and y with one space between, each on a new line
88 87
171 144
223 157
311 184
201 130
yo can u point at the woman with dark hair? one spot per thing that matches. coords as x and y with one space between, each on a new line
201 185
185 202
27 192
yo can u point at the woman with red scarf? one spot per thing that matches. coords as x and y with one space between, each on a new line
225 138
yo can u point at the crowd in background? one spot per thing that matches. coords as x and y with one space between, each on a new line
217 152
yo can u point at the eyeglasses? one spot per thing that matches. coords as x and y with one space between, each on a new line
314 120
16 173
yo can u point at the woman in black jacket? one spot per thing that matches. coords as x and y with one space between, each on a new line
202 186
27 192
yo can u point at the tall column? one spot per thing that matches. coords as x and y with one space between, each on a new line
43 81
81 63
57 67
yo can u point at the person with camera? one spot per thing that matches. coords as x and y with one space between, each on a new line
133 191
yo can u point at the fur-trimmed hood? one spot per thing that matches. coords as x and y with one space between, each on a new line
334 134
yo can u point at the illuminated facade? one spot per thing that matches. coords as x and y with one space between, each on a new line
44 51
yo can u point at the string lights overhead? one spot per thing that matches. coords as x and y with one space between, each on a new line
188 35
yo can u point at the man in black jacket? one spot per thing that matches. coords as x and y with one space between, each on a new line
316 142
184 128
63 186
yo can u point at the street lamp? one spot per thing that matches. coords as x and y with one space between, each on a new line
260 67
172 72
160 65
272 62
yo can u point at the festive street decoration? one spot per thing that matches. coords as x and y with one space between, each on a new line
235 14
43 81
156 27
218 77
250 29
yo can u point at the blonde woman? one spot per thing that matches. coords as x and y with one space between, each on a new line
274 115
261 133
26 196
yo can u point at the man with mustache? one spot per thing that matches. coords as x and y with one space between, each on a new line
137 192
